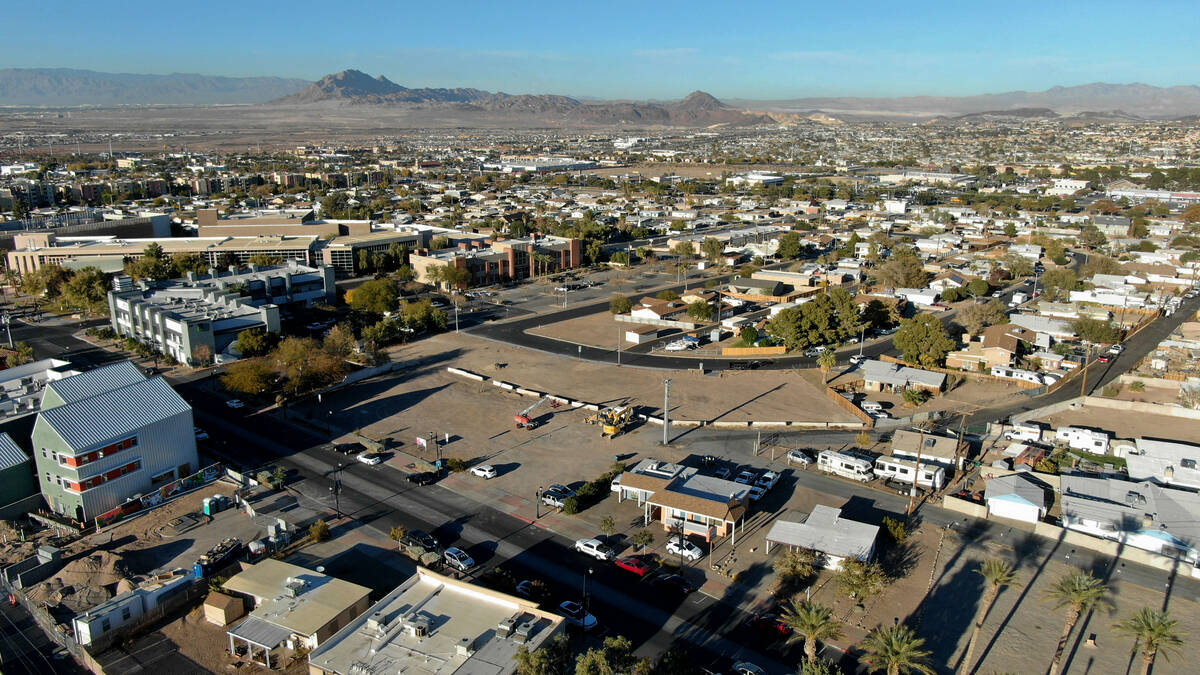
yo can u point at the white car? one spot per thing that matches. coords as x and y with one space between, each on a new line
857 359
767 480
880 415
235 403
595 548
1116 349
458 559
678 346
201 434
682 547
484 471
746 478
575 615
369 458
799 457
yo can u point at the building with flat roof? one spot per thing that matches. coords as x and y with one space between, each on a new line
538 164
343 253
434 625
108 434
826 531
185 318
504 260
885 376
110 253
292 223
293 606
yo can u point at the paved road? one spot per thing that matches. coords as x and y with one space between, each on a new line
25 649
53 338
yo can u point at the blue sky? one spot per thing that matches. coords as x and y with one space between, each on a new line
651 49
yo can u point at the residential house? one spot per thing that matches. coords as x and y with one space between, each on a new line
825 531
1142 515
1165 462
1055 328
1016 497
998 345
945 451
885 376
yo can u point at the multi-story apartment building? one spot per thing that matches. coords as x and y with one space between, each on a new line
504 260
108 434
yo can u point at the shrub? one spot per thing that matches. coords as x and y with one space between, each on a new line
571 506
397 533
456 465
1138 386
1111 391
319 531
896 529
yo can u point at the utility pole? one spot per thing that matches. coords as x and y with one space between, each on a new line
618 346
1086 360
912 493
666 410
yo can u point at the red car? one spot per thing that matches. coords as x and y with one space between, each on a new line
636 565
1103 358
771 623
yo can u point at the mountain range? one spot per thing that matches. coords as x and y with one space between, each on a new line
355 88
352 89
69 87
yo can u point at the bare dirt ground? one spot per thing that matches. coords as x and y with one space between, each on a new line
595 330
967 396
1126 425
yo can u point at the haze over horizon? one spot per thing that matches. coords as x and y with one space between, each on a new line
773 51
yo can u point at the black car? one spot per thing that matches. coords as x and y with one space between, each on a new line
673 583
423 539
745 365
423 478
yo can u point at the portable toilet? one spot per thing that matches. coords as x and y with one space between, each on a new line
206 506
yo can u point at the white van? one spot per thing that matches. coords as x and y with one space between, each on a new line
871 406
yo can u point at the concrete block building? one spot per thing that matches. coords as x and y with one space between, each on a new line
108 434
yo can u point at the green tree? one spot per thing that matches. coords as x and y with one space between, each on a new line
712 248
643 538
790 246
255 342
375 297
619 304
249 376
1018 265
978 287
915 397
305 366
827 361
264 260
811 622
792 569
903 271
189 262
1059 283
1078 591
319 531
46 280
923 340
88 290
22 354
1092 237
700 311
340 341
616 656
1096 330
860 580
897 650
1155 631
976 317
998 574
748 336
553 658
684 250
608 526
668 295
1010 230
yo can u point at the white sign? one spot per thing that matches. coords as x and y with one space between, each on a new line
421 441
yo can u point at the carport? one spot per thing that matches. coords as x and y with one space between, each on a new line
256 632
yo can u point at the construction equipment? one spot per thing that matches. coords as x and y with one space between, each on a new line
522 418
614 419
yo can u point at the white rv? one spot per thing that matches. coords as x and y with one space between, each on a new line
903 470
846 464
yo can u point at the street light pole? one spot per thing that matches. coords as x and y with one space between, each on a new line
537 502
666 410
336 489
8 328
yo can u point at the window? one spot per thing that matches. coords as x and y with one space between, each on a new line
1187 463
124 613
104 626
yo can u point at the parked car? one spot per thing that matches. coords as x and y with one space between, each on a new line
767 480
423 478
723 473
201 435
458 559
857 359
536 591
881 415
1104 358
799 457
235 403
1116 349
484 471
553 499
423 539
595 548
747 668
575 615
682 547
756 493
746 477
634 564
561 490
369 458
770 623
674 583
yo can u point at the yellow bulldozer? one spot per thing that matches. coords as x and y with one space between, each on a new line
613 419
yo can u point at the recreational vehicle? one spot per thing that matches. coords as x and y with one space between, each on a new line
902 470
845 464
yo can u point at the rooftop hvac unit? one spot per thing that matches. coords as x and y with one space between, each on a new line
466 646
376 622
524 631
507 626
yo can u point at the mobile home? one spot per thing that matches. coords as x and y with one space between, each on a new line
903 470
846 464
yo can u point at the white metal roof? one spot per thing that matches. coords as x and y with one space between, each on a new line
826 531
96 381
114 413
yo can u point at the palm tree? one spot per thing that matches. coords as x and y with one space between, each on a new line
998 574
1155 631
811 622
1078 591
898 650
827 360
